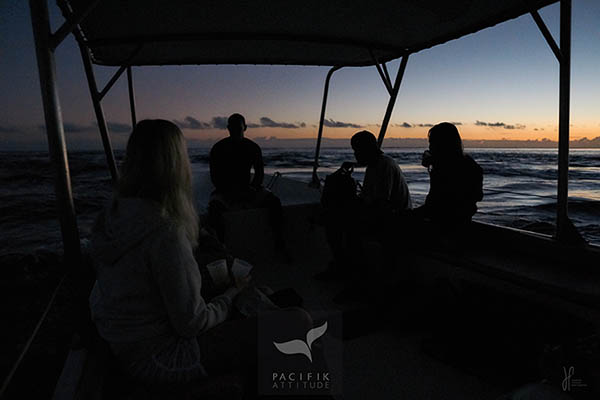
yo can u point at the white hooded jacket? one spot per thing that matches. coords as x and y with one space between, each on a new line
146 300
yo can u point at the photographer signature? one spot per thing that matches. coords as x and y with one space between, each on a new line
568 381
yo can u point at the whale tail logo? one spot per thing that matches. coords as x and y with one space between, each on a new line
298 346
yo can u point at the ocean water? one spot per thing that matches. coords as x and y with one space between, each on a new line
519 188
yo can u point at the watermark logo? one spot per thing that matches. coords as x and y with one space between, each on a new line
298 346
570 382
297 359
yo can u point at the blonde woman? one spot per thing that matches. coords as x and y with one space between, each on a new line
146 301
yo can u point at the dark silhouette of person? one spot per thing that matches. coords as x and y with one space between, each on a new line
384 194
384 186
456 180
231 161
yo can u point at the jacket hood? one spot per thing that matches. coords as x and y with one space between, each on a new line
122 225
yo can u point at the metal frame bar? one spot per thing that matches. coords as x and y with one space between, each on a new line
98 110
71 23
111 82
98 95
547 35
315 178
565 230
384 75
392 101
119 72
131 96
387 74
55 132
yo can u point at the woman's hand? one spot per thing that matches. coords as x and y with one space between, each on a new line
427 159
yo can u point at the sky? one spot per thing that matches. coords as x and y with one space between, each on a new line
501 82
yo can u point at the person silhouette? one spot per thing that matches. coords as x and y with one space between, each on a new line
456 180
384 194
147 301
384 186
231 161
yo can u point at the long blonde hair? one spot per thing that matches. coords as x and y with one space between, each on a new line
157 167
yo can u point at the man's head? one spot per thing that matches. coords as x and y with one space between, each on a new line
365 147
236 125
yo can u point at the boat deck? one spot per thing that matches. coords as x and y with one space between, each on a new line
390 359
426 344
386 362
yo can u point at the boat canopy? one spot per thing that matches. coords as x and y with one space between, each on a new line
335 33
313 32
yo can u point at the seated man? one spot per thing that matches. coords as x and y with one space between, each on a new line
231 162
384 194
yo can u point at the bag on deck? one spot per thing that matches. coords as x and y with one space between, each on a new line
339 189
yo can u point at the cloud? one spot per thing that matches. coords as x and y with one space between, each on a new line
113 127
421 125
269 123
493 124
10 129
500 125
192 123
516 126
219 122
330 123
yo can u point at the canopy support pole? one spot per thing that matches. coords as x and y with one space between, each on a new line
70 24
547 35
131 96
387 74
565 230
316 183
102 126
392 101
383 73
55 131
112 81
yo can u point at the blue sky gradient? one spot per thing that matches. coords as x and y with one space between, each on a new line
505 75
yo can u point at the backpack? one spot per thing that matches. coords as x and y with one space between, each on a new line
339 189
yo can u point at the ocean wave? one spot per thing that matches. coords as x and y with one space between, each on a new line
519 187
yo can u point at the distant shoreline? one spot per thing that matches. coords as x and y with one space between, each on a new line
309 143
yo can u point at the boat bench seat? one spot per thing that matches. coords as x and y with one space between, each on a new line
92 372
230 386
532 262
